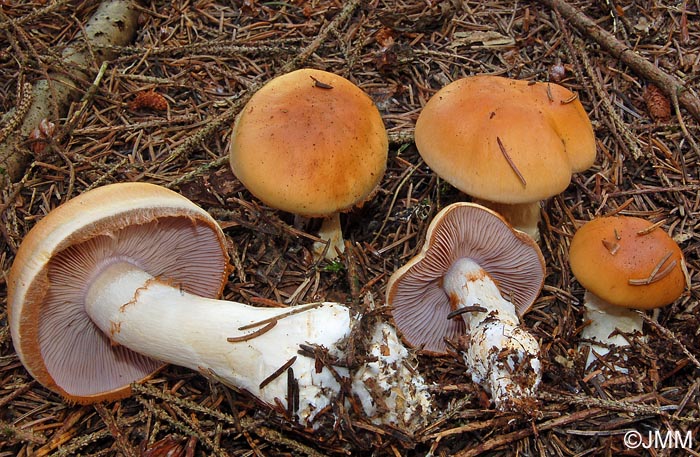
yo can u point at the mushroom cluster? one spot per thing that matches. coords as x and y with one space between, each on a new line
111 285
508 143
123 279
311 143
473 278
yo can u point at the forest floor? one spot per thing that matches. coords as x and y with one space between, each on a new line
206 58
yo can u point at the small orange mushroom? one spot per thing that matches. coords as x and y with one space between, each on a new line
311 143
624 263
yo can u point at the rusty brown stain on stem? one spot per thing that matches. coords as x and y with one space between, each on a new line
510 161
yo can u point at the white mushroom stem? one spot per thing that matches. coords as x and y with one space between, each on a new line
249 348
603 320
500 355
388 387
524 216
332 234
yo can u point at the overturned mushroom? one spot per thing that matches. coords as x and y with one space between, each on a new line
473 278
112 284
625 264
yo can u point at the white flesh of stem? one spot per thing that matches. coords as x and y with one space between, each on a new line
332 232
387 387
604 320
165 323
500 355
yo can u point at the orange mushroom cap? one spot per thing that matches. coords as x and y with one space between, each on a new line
311 143
628 262
505 140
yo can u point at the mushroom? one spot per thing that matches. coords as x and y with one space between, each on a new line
311 143
625 264
473 278
508 143
111 285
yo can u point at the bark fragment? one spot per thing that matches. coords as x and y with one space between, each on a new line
113 24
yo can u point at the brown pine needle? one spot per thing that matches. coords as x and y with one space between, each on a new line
291 312
655 274
278 372
651 228
570 99
510 162
251 335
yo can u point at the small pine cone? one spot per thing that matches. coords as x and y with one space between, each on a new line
39 137
148 100
557 72
658 105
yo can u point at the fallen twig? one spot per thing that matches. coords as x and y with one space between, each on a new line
669 84
114 23
116 430
601 408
